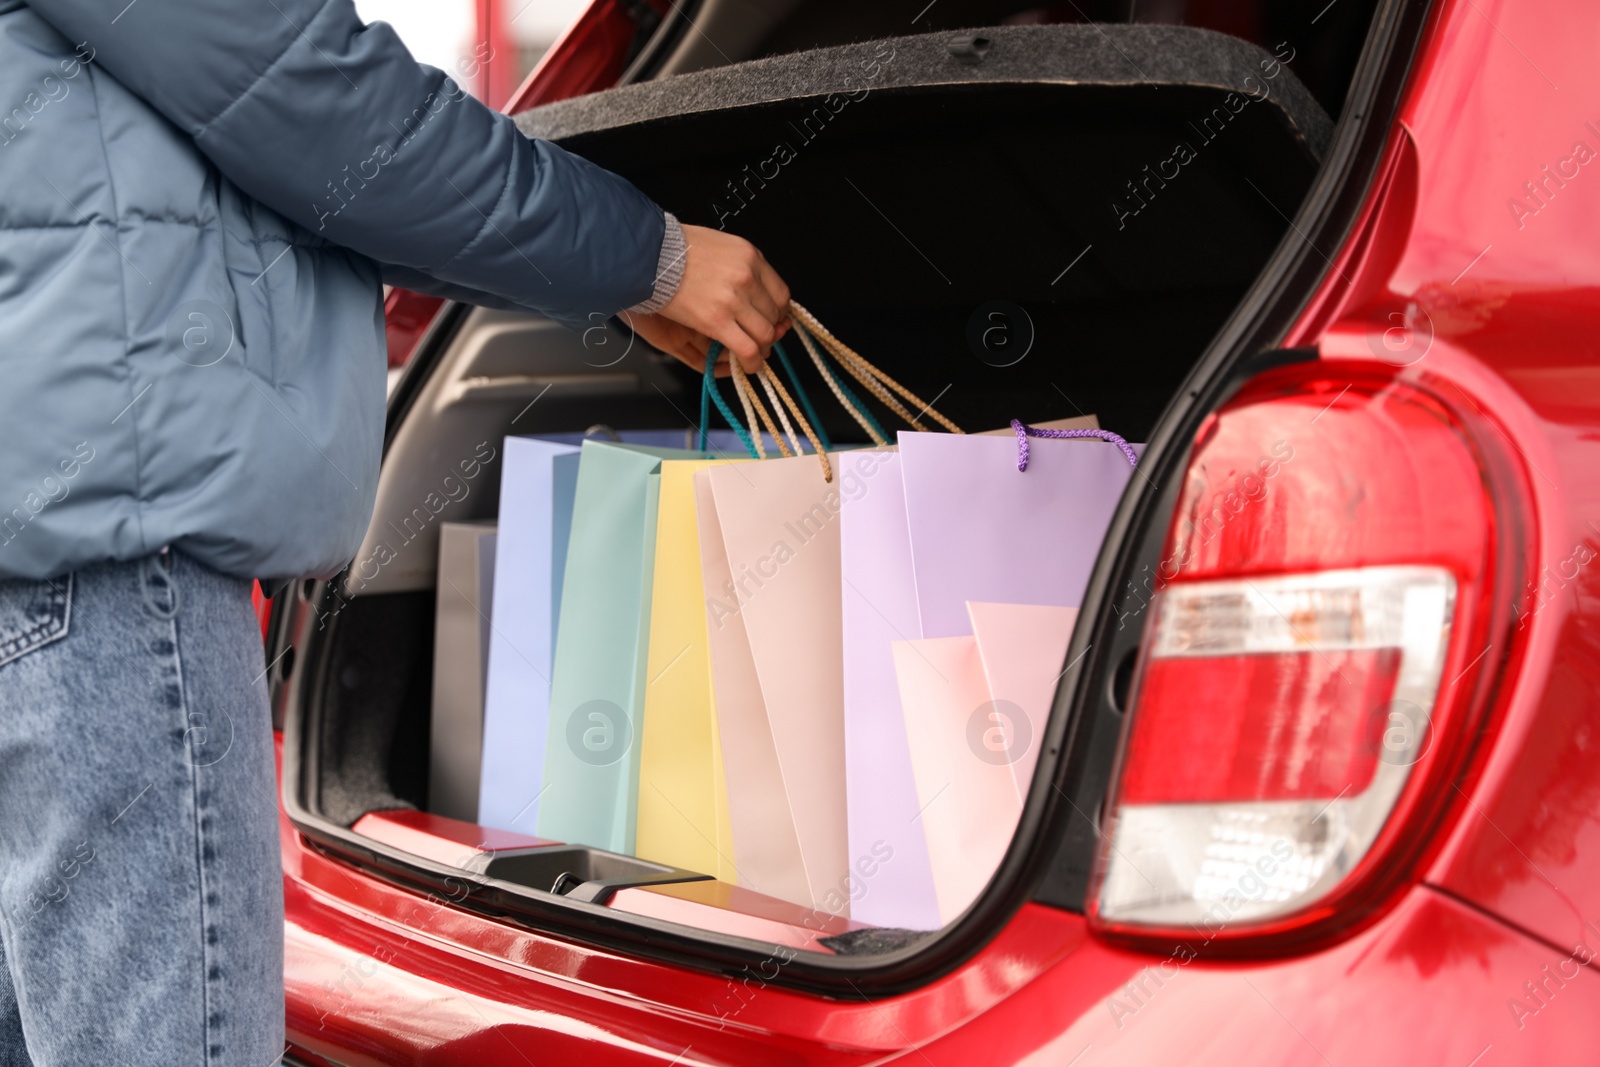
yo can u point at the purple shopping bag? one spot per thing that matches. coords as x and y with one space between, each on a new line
879 601
982 530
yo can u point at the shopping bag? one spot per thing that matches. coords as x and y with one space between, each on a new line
982 530
683 815
780 529
591 757
968 802
879 606
535 513
1022 647
766 846
463 605
537 483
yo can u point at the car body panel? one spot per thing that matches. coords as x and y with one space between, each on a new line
1428 984
378 974
365 956
1498 304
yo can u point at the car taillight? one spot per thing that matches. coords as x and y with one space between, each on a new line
1305 690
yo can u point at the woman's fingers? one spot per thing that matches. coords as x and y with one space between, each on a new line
760 294
730 293
775 288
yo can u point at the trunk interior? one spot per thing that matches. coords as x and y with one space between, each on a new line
1111 193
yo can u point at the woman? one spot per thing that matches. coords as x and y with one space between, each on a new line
201 202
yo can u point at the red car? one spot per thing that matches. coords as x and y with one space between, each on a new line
1351 306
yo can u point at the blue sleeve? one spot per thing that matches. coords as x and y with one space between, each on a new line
334 125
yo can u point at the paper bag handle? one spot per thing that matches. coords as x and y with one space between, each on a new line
754 409
876 381
1025 432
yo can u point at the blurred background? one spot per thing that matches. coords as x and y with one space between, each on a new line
488 46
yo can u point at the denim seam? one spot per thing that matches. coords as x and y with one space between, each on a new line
8 943
8 929
199 847
47 631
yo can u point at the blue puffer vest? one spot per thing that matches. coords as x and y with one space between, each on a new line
199 203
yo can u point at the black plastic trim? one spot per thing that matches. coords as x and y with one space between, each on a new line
628 871
667 35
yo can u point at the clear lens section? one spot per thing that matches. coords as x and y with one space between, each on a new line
1215 864
1379 607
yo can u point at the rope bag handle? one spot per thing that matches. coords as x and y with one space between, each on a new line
871 378
815 338
755 412
1025 432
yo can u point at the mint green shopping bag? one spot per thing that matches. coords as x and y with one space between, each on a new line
591 770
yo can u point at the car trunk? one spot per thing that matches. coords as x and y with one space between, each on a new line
1110 192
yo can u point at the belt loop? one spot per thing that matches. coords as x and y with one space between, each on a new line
155 571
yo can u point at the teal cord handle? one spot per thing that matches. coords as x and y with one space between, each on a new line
701 441
845 391
709 390
800 394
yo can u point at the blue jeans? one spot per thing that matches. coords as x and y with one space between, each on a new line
141 892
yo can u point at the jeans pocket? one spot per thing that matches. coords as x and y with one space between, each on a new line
33 613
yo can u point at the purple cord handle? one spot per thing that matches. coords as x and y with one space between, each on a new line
1025 432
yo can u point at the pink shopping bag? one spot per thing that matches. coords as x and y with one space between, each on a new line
1022 647
974 710
766 848
780 531
968 801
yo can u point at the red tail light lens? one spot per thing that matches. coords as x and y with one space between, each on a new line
1304 686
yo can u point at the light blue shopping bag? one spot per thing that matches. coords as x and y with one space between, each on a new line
535 513
538 484
591 751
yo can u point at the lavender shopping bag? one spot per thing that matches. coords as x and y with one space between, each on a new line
879 600
982 530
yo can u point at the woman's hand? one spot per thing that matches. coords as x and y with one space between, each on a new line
676 339
729 293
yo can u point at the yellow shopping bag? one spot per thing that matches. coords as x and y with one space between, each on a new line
683 798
